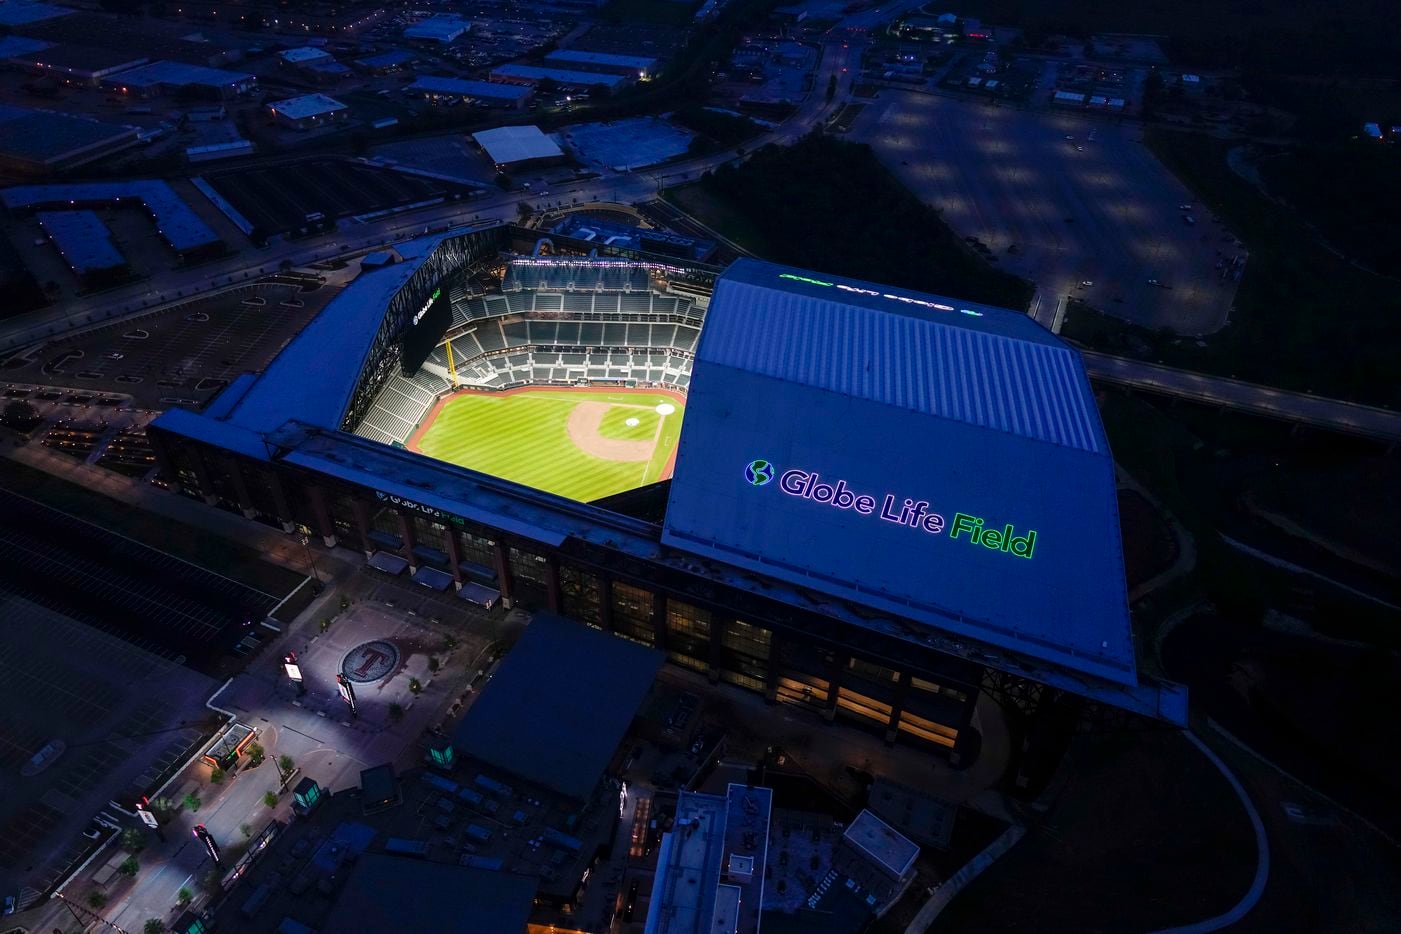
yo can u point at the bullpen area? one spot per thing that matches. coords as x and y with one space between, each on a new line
584 444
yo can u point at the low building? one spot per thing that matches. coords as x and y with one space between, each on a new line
176 223
490 93
159 78
327 72
83 65
43 142
214 151
564 78
444 28
610 233
384 63
634 66
710 868
308 111
514 147
398 893
305 55
889 851
86 246
558 706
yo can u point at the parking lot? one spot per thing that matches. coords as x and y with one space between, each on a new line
280 198
1075 204
147 598
122 716
180 356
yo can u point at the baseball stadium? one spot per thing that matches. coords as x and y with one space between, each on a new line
887 507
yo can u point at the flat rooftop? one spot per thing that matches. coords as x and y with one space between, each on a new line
487 90
579 79
891 850
308 105
559 705
175 221
396 893
46 136
179 74
83 240
507 144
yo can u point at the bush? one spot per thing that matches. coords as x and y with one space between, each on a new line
129 866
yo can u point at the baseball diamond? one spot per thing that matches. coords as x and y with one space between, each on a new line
584 444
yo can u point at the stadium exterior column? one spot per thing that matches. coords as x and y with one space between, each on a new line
406 532
201 471
834 684
718 624
605 602
771 676
659 620
324 526
553 597
502 561
897 707
959 755
361 509
245 502
450 546
279 499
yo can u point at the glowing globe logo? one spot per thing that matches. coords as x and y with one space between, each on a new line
759 472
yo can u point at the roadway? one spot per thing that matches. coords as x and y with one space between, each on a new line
249 263
1302 408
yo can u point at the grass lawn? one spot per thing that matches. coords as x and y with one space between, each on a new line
830 205
524 437
192 544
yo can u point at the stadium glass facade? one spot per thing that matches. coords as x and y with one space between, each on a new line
926 700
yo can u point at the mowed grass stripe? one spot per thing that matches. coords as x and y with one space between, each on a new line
524 437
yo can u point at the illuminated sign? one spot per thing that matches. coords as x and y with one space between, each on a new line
876 293
426 510
888 507
427 305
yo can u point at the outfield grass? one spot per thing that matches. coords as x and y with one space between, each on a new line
524 437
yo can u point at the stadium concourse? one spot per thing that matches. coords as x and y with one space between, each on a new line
885 505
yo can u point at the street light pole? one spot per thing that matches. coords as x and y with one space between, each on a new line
311 561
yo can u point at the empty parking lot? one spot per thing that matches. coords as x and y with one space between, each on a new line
1062 199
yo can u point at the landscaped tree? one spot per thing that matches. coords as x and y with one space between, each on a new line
256 754
97 899
153 926
133 840
270 799
191 801
285 765
216 776
129 866
183 897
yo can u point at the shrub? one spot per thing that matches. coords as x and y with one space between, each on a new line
191 801
129 866
216 776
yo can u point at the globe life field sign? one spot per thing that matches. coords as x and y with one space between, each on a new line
916 514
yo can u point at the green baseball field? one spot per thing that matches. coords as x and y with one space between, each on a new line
581 443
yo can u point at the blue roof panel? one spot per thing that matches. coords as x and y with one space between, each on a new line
904 464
